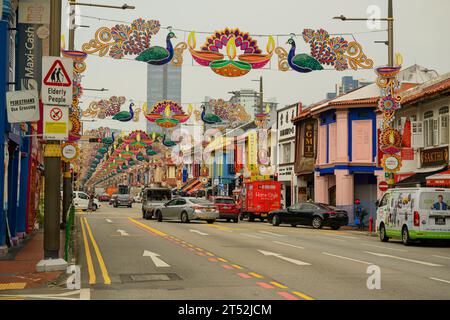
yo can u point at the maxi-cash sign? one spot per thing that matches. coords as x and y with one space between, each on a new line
57 86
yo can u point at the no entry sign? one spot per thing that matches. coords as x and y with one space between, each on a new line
383 186
57 86
56 122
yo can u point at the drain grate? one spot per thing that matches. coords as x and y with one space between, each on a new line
149 277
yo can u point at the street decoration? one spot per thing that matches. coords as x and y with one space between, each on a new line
390 138
209 118
210 55
104 108
157 55
125 116
123 39
69 152
167 114
229 112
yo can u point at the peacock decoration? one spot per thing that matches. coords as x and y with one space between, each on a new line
167 142
302 62
108 140
125 116
157 55
209 118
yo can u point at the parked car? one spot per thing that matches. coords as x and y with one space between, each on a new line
123 200
81 201
104 197
187 209
111 201
312 214
413 214
152 198
228 209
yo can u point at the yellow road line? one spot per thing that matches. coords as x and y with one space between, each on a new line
222 260
160 233
256 275
106 278
301 295
11 298
210 254
13 285
90 265
237 266
279 285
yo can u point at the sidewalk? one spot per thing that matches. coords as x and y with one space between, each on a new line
19 270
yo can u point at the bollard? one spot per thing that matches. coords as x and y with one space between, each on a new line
370 224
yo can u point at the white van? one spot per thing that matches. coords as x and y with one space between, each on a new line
81 201
414 213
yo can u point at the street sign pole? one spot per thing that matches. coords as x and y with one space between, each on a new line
52 158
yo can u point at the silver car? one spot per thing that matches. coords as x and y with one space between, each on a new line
186 209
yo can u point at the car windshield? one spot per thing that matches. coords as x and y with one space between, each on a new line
158 195
227 201
326 207
201 201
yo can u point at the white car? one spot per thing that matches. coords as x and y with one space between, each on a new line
81 201
137 199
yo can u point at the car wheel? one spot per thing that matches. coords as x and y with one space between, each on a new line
184 217
317 222
235 220
335 227
94 207
115 205
159 216
211 221
241 216
144 215
251 218
130 206
405 236
228 219
383 236
276 220
293 225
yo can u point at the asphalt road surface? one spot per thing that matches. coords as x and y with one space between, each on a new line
123 256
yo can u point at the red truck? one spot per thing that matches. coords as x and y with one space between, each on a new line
258 198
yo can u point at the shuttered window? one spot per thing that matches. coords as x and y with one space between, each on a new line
417 134
443 125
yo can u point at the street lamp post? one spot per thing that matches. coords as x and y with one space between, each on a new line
390 22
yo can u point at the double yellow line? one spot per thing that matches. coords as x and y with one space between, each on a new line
101 262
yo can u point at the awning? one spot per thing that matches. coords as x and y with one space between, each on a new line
439 180
418 179
193 186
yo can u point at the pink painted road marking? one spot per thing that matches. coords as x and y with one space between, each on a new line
264 285
200 254
287 295
226 266
244 275
212 259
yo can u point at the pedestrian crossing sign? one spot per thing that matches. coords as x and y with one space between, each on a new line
57 82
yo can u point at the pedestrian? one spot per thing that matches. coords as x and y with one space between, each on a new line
91 202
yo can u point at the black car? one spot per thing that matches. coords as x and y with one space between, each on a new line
123 200
312 214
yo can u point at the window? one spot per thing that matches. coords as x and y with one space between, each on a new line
83 196
286 153
417 134
308 206
428 128
443 125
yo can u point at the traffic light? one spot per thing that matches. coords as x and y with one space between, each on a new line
95 140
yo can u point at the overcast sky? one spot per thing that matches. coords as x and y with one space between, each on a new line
421 36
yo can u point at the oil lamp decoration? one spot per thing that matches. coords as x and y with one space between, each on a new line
390 139
167 114
262 118
230 39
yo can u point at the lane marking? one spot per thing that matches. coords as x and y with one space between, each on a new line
404 259
273 234
251 236
210 254
155 259
227 266
109 220
279 256
244 275
123 233
87 250
302 295
237 266
222 259
442 257
101 262
345 258
287 295
288 244
160 233
279 285
256 275
199 232
13 286
440 280
264 285
85 294
381 247
328 238
213 259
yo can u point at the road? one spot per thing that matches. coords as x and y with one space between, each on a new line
123 256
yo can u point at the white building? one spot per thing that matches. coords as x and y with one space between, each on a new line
286 153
